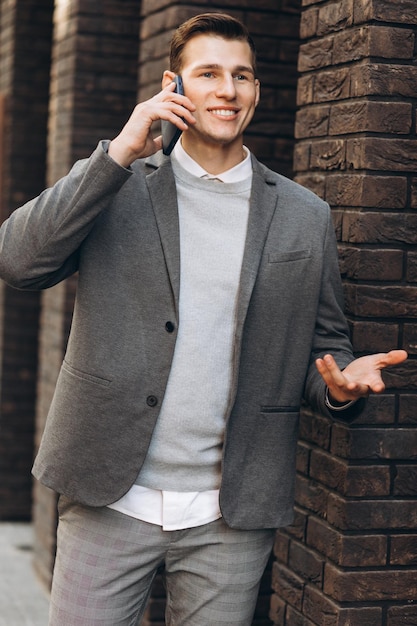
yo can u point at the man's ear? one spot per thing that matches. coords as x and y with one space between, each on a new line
167 78
258 91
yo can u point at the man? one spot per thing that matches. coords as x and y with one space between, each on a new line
209 302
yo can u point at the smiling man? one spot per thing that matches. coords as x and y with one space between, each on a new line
208 305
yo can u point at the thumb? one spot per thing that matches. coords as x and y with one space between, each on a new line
393 357
158 143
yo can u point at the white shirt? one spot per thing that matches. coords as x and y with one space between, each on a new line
173 510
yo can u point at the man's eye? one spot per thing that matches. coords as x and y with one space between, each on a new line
208 74
241 77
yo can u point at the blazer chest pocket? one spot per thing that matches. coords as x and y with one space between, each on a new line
292 255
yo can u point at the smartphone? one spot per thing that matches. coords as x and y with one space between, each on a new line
170 132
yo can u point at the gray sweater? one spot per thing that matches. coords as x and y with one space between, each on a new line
186 447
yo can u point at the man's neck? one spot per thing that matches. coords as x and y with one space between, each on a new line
214 158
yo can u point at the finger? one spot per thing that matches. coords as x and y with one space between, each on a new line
168 94
332 369
377 387
178 115
341 388
330 372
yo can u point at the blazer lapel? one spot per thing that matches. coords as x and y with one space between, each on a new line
162 190
264 197
263 202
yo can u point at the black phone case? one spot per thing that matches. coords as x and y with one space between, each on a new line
170 132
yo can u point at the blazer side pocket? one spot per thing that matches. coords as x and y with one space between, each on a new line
69 369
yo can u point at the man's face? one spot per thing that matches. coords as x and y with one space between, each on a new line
219 79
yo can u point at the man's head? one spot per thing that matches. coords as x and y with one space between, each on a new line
215 56
217 24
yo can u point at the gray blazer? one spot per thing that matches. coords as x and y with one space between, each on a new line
119 228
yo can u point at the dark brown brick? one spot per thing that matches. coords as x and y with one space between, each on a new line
330 85
414 193
398 585
281 547
315 428
314 181
328 470
403 549
376 264
328 155
408 409
319 607
277 610
288 585
363 116
306 563
347 550
360 616
382 192
351 45
316 54
357 481
297 529
305 90
295 618
371 515
374 443
374 153
374 336
380 228
309 22
370 301
312 496
391 43
402 615
303 458
405 481
312 122
401 11
383 80
412 267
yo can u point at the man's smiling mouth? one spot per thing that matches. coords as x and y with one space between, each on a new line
223 112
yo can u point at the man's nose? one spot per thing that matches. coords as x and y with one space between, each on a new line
227 87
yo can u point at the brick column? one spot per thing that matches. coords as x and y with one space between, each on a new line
350 558
25 36
93 91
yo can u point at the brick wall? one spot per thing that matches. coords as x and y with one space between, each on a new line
25 42
93 90
350 556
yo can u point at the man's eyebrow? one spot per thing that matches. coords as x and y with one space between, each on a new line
216 66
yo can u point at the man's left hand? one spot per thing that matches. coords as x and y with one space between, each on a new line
360 377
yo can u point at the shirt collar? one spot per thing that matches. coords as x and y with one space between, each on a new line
239 172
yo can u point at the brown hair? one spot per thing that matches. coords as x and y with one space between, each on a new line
219 24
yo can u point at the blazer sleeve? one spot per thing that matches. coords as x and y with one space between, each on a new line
331 331
39 242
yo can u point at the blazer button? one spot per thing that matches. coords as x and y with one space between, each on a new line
152 401
169 327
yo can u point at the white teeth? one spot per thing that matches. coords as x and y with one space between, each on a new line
224 112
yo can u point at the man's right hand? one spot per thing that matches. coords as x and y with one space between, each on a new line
135 140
